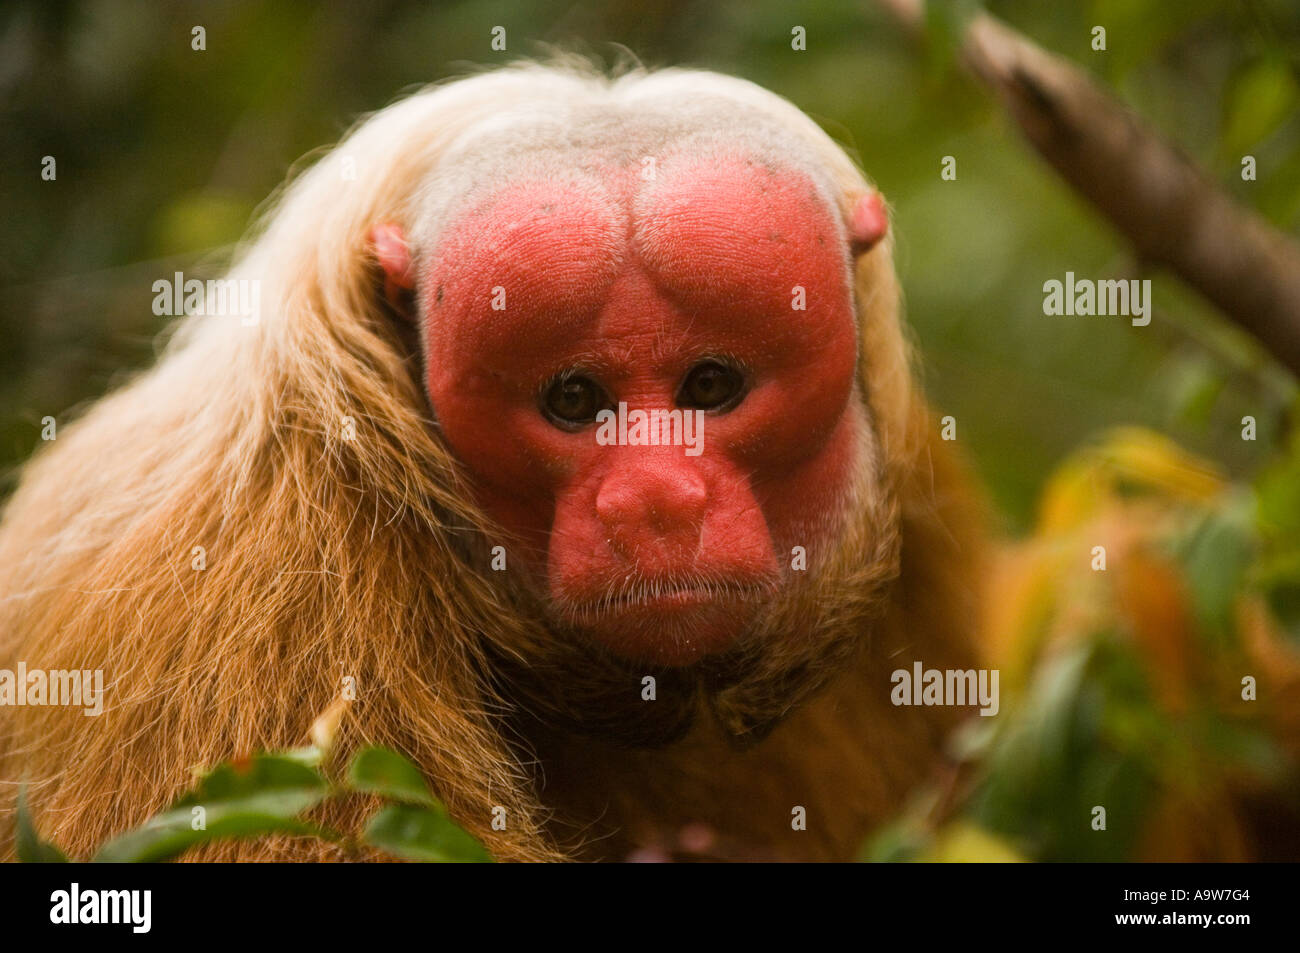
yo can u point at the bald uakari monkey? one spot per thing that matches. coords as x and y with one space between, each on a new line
577 430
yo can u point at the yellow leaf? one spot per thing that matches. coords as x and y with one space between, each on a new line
965 843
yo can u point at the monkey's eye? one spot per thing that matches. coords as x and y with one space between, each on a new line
569 402
712 386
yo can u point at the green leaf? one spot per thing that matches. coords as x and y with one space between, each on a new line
31 849
1216 556
1058 755
171 833
1278 493
266 797
309 756
423 834
385 772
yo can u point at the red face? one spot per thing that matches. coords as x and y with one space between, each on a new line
548 301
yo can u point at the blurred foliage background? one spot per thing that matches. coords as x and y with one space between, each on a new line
1123 688
164 153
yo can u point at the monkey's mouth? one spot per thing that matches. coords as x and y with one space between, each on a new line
685 596
671 622
665 594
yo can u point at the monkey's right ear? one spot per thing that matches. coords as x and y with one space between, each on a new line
868 222
388 245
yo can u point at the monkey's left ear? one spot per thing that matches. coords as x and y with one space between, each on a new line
868 222
388 245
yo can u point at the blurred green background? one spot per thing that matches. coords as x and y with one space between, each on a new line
164 153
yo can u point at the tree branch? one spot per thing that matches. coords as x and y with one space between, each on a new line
1173 213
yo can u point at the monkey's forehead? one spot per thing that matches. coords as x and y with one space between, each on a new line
738 225
609 147
730 240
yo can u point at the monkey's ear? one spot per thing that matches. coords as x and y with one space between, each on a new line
868 222
388 245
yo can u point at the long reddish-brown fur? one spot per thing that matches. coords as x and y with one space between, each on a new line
329 556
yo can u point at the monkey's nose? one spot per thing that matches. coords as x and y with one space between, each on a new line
646 504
